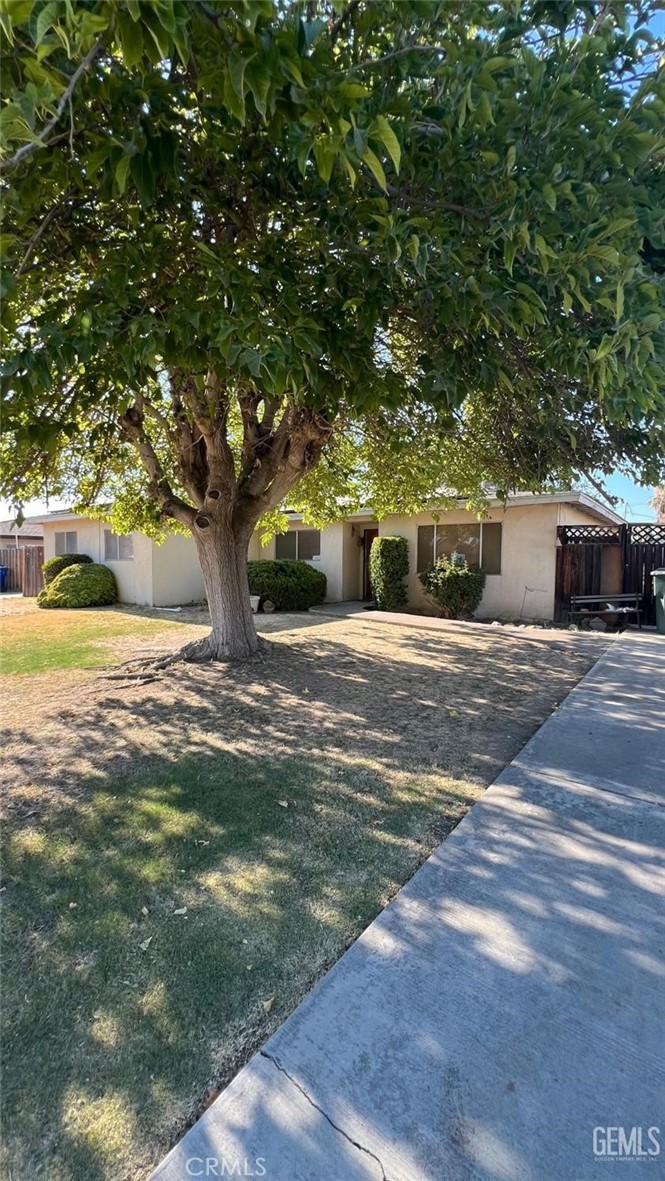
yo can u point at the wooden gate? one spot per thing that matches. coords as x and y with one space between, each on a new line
32 560
644 551
24 568
580 555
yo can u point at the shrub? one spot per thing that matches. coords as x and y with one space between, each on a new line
55 566
86 585
290 585
388 567
454 586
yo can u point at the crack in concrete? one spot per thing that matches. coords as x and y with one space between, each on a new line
360 1147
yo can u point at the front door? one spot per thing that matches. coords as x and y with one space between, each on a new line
368 538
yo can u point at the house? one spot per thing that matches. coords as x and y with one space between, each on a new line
146 573
31 532
515 544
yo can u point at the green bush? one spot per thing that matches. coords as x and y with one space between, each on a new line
388 567
455 588
55 566
290 585
86 585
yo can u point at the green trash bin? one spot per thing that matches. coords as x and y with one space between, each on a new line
659 595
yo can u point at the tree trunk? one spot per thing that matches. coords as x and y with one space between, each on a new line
223 557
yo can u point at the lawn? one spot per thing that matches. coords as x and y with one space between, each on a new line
184 858
50 640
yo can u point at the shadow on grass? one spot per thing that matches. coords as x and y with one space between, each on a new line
171 796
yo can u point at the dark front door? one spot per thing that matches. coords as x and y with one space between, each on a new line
368 538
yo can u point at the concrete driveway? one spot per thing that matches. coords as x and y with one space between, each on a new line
504 1018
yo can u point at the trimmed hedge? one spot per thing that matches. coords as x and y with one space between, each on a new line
388 567
55 566
84 585
289 584
454 586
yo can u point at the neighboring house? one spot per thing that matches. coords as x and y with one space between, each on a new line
515 545
30 532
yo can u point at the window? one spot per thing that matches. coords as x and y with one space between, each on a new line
118 547
480 544
66 543
304 544
491 537
309 544
459 539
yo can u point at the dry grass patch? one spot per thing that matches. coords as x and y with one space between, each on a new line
179 853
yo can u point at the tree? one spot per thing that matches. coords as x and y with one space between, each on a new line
657 503
409 237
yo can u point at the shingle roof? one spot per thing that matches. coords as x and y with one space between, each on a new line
29 528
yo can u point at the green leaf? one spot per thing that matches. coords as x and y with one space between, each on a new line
324 154
48 16
131 40
234 92
511 156
414 246
384 132
549 196
351 172
122 172
509 251
258 82
620 300
376 168
605 347
237 66
353 90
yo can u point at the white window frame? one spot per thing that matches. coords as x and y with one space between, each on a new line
66 534
305 529
110 536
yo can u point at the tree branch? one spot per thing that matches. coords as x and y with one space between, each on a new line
343 17
388 57
132 425
27 149
39 232
428 203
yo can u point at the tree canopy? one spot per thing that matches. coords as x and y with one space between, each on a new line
421 239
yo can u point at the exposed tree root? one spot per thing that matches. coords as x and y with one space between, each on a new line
196 652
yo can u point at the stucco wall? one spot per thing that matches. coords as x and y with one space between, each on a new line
176 573
525 586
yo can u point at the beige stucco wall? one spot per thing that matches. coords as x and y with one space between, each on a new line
176 573
525 586
134 578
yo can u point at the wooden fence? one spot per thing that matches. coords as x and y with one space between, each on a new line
24 568
581 556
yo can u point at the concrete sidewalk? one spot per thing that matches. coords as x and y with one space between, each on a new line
509 1001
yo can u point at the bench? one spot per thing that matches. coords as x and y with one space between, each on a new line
615 606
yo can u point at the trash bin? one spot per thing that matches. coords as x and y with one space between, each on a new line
659 595
4 571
